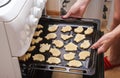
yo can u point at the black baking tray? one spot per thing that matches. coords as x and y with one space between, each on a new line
89 65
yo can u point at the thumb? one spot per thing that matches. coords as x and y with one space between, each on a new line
67 15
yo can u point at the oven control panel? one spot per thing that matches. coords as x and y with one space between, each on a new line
21 23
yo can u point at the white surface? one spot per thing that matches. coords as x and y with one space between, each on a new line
6 12
2 2
6 66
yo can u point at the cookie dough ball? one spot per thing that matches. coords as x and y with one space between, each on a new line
65 37
58 43
79 29
69 56
38 57
71 47
88 31
44 47
79 37
66 28
53 28
53 60
31 48
39 26
85 44
25 57
74 63
83 55
51 36
55 52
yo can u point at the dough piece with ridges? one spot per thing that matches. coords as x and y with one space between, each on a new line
85 44
51 36
65 37
69 56
88 31
79 37
31 48
66 28
25 57
44 47
70 47
58 43
38 57
83 55
52 28
55 52
37 33
36 40
53 60
74 63
79 29
39 26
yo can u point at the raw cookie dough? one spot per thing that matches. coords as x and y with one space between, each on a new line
65 37
44 47
79 37
37 33
39 26
53 60
83 55
69 56
79 29
38 57
31 48
53 28
85 44
25 57
88 31
71 47
74 63
55 52
51 36
36 40
66 28
58 43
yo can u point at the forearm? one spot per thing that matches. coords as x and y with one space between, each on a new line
86 1
116 32
116 17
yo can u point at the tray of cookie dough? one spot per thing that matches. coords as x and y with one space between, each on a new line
63 45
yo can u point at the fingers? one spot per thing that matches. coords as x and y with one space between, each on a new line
67 15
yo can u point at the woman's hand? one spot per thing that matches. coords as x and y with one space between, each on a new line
78 9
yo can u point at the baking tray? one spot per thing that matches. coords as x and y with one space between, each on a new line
89 65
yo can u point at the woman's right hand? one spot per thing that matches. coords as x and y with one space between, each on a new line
78 9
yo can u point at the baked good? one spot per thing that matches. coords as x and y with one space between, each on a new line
51 36
31 48
66 28
55 52
69 56
44 47
70 47
74 63
88 31
52 28
38 57
36 40
25 57
37 33
83 55
39 26
65 37
53 60
58 43
79 37
79 29
85 44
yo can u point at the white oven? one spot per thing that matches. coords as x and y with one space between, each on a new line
18 20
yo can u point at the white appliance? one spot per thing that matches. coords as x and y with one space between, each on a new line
18 20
